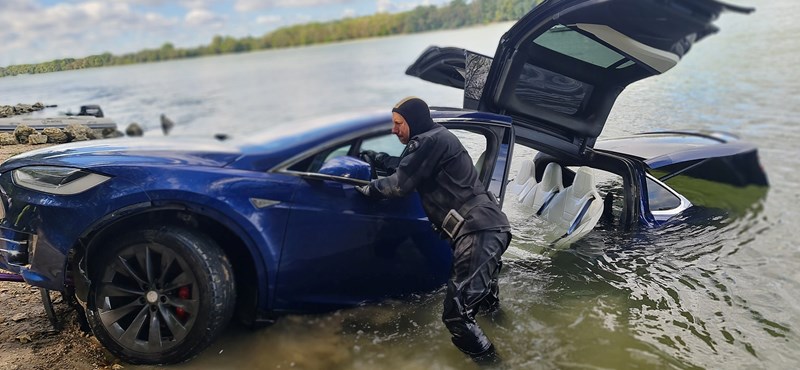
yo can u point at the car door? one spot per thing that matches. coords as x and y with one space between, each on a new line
559 69
342 248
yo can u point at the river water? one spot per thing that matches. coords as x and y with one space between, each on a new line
716 294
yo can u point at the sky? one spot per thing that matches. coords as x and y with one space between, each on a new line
34 31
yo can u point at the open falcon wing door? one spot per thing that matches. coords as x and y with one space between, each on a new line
559 69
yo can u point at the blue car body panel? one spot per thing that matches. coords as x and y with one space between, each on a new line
295 229
121 152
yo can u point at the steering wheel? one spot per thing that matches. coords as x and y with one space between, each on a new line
369 157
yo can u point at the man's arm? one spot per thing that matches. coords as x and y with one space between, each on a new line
381 161
387 162
419 162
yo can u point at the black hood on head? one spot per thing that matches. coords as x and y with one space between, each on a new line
416 113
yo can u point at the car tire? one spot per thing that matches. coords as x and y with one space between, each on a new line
160 295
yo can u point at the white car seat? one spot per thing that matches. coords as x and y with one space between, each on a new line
576 210
525 179
542 193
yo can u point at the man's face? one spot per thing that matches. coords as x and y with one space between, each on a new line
400 127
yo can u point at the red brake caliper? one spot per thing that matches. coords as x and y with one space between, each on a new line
183 293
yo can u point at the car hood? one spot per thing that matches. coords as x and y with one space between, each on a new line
128 151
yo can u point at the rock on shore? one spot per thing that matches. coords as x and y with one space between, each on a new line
24 134
13 110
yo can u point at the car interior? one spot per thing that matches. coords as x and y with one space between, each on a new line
475 142
573 211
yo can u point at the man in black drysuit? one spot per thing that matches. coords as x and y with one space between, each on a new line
455 201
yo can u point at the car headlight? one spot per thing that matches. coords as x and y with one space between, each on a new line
57 180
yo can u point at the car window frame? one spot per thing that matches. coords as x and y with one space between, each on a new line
664 215
493 144
353 138
476 126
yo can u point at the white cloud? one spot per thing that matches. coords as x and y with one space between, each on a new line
33 33
196 4
269 19
143 2
385 6
349 13
250 5
17 5
189 4
203 17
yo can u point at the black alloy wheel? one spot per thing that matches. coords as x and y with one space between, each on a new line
160 296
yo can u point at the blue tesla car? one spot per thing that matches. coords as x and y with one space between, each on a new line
163 242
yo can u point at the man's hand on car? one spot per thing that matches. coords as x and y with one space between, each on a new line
364 189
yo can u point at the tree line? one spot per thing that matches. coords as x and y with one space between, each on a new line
458 13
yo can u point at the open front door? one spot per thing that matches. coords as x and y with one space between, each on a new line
489 140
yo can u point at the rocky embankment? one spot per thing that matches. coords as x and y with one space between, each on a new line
14 110
24 134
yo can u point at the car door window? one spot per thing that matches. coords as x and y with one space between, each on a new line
338 152
475 144
659 198
315 161
388 144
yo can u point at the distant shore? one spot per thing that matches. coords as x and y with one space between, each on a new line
456 14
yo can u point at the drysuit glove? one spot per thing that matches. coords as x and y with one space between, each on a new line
380 157
368 156
364 189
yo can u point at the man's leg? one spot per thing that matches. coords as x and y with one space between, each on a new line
491 303
476 264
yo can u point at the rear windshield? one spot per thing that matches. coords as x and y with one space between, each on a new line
569 42
551 90
558 92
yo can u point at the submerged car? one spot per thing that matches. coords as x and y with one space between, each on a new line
162 242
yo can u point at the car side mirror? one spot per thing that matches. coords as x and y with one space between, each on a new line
347 167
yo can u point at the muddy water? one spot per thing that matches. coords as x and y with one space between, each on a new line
716 291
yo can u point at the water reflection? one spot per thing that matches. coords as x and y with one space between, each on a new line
660 297
678 296
663 298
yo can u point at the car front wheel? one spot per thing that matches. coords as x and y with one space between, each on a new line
160 295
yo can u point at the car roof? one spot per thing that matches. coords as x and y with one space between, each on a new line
288 139
330 127
658 149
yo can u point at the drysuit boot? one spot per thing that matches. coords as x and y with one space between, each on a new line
472 287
